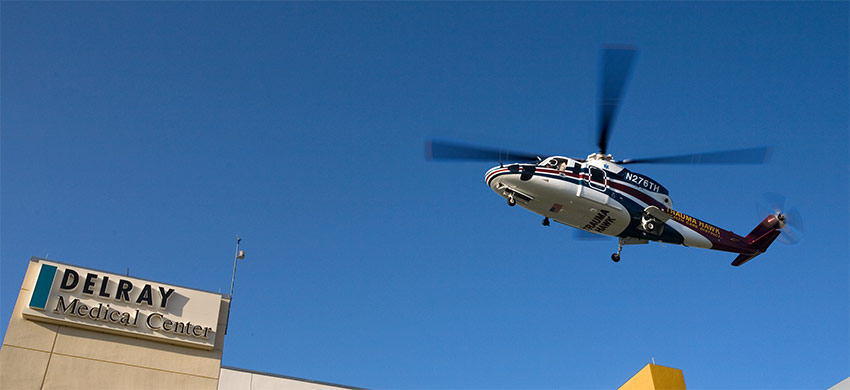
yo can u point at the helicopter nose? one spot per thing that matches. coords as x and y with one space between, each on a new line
498 174
492 173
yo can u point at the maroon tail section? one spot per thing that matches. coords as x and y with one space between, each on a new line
760 238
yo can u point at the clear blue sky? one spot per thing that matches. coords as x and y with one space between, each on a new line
146 135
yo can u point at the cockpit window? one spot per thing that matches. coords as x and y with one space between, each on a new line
556 163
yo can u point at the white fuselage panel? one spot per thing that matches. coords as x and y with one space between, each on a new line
562 198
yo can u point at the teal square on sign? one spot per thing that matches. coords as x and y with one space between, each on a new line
42 286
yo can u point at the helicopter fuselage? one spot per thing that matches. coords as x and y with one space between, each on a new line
599 196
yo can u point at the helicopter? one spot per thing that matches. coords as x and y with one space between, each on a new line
597 194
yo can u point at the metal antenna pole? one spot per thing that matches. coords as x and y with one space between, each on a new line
235 258
239 255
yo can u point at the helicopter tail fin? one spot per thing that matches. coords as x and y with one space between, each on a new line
759 239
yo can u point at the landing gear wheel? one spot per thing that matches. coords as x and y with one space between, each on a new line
616 256
546 221
511 201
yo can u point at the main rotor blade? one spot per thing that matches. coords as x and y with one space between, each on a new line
616 68
443 150
758 155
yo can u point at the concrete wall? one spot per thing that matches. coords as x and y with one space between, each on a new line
37 355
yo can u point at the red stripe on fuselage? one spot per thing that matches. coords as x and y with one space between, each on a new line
556 172
496 172
640 195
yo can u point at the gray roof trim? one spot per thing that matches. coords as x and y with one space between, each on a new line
292 378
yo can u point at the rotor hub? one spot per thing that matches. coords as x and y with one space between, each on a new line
600 156
781 219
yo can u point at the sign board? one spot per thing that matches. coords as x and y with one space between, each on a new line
105 302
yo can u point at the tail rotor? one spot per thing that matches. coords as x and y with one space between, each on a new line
790 219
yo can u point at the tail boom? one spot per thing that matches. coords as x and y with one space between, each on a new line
702 234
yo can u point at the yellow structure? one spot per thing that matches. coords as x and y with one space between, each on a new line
653 376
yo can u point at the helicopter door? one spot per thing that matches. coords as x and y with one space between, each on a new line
598 179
